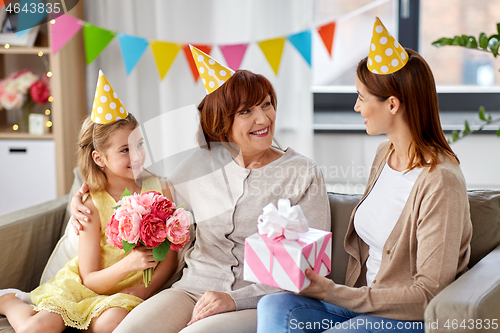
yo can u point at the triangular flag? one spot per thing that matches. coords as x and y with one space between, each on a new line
27 18
189 57
95 39
327 32
273 49
165 54
4 2
233 54
302 42
132 49
62 30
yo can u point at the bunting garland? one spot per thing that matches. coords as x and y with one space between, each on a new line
96 39
132 49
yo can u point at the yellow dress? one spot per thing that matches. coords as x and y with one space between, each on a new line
66 295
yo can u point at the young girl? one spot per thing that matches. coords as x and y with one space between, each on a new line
96 290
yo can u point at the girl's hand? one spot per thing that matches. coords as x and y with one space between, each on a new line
318 287
139 259
79 211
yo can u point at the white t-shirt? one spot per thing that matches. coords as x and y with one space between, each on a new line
378 213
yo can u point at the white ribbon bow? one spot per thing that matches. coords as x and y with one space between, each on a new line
285 221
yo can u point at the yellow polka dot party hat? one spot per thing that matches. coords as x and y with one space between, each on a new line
213 75
386 54
107 107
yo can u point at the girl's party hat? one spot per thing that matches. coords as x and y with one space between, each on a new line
213 75
386 54
107 106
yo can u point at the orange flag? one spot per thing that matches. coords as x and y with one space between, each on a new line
189 57
327 32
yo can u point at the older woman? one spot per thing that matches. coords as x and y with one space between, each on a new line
226 184
409 236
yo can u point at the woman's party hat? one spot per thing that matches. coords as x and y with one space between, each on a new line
213 75
386 54
107 106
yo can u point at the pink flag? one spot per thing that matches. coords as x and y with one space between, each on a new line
233 54
63 29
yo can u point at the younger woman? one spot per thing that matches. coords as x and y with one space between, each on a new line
409 236
97 289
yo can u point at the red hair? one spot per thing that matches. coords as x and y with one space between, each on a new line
415 88
241 91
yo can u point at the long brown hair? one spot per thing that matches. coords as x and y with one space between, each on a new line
241 91
97 137
415 88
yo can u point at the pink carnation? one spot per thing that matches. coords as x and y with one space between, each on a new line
39 92
146 200
153 230
178 229
11 100
162 208
129 224
114 233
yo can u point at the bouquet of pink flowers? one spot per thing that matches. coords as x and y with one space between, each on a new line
149 219
21 88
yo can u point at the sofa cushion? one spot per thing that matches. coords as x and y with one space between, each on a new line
341 207
485 216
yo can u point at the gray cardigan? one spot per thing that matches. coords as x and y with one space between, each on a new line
226 200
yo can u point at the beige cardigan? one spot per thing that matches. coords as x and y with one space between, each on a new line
427 249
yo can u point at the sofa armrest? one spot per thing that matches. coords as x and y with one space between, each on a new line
28 237
470 301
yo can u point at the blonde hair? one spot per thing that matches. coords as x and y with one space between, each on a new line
97 137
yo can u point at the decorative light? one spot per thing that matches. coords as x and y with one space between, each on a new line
47 112
15 127
53 21
49 123
49 74
40 54
7 46
51 98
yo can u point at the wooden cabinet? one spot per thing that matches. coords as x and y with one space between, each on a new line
68 107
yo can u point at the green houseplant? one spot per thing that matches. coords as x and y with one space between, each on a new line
483 43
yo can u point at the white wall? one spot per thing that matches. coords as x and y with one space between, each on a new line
345 160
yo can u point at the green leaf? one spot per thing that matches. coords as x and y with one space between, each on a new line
127 246
457 40
498 28
454 136
498 132
494 43
467 127
471 42
125 193
483 41
489 117
442 42
481 113
160 252
117 206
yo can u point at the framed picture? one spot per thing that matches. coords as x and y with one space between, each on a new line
7 36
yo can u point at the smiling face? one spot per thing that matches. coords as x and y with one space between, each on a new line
253 128
377 113
125 155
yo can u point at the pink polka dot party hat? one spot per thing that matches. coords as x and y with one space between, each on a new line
107 107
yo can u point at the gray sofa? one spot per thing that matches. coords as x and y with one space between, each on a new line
29 236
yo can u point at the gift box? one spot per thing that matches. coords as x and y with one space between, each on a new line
280 253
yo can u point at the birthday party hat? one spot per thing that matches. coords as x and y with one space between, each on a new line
107 106
213 75
386 54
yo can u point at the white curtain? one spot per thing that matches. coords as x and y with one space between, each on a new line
215 22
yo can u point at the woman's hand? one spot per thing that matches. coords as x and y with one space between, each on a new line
212 303
79 212
139 259
318 287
